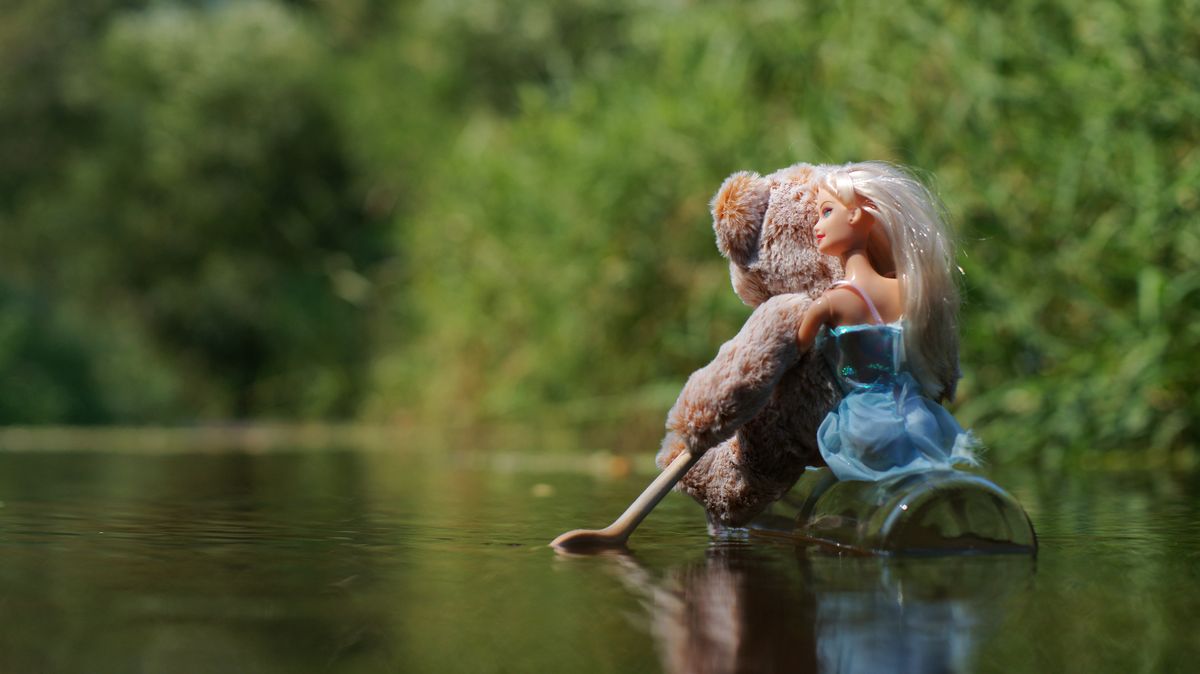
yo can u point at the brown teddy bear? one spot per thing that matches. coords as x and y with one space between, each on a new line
754 410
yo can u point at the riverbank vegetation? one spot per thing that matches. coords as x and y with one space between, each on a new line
364 210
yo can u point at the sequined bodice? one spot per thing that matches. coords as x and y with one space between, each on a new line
865 356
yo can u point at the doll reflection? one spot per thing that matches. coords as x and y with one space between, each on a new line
748 609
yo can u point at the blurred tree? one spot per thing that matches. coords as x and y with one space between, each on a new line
44 367
220 210
47 368
498 207
212 210
42 42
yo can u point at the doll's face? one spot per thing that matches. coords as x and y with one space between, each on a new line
836 229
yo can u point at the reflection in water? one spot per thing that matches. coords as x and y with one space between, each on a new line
756 608
224 563
355 561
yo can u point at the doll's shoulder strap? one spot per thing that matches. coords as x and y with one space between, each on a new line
866 298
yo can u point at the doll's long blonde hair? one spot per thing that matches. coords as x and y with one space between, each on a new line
913 221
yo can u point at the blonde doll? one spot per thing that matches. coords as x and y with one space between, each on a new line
889 327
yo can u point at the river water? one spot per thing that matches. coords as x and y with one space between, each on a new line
428 559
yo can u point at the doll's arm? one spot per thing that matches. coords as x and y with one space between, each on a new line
820 313
723 395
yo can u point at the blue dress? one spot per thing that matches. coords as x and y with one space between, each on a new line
885 424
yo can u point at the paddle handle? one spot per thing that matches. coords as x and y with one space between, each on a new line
659 488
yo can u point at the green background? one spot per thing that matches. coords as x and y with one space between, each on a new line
479 211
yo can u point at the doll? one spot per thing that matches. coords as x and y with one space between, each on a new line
760 411
889 327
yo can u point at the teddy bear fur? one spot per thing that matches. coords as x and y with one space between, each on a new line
753 412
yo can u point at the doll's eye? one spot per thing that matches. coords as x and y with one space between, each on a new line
825 213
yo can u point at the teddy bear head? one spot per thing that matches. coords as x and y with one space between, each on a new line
764 227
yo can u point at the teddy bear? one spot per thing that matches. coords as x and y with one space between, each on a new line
753 412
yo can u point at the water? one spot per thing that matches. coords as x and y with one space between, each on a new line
426 560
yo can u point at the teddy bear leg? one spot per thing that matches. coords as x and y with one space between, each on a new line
729 487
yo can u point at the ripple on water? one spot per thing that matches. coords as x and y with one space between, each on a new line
361 562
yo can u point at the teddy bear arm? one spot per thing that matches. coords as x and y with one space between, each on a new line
723 395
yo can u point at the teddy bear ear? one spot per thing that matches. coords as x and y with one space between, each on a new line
738 209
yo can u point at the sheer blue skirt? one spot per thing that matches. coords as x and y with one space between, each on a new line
890 429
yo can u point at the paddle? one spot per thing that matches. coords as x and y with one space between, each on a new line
615 534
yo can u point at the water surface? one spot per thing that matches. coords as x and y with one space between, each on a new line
426 559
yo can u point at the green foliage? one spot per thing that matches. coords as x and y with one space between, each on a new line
566 225
499 208
214 208
43 365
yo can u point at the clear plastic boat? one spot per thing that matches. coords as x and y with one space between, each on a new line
936 512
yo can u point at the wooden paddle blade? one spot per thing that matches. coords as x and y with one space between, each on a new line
615 534
586 540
